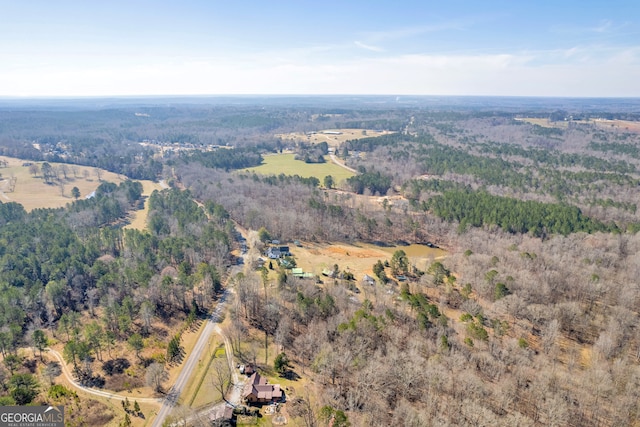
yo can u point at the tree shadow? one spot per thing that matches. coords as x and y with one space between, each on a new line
195 325
290 375
91 380
115 366
146 361
179 357
31 365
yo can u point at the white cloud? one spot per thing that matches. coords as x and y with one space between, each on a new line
580 71
368 47
603 27
407 32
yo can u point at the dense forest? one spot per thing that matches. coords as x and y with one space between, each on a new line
530 318
75 275
522 325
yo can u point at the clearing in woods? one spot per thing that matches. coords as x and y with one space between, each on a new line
358 259
32 192
138 219
286 164
625 125
333 137
18 184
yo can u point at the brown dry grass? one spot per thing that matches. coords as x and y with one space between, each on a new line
155 344
359 259
189 339
315 257
254 342
32 192
332 140
197 394
138 219
625 125
101 411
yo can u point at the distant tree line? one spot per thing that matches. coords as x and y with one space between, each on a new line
282 179
375 182
227 159
477 209
371 143
312 153
559 159
131 160
377 124
630 150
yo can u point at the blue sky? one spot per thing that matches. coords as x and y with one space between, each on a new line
513 48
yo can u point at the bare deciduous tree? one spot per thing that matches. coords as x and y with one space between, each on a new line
156 375
549 337
221 378
146 315
52 370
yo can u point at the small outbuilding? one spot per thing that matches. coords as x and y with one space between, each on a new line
329 273
284 250
222 416
368 280
298 272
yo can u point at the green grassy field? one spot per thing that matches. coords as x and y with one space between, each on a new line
286 164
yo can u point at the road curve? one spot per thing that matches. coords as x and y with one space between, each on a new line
335 160
69 376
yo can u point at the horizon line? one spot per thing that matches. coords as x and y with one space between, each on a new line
283 95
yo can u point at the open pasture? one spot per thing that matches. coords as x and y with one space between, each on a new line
622 125
358 258
19 184
333 137
288 165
